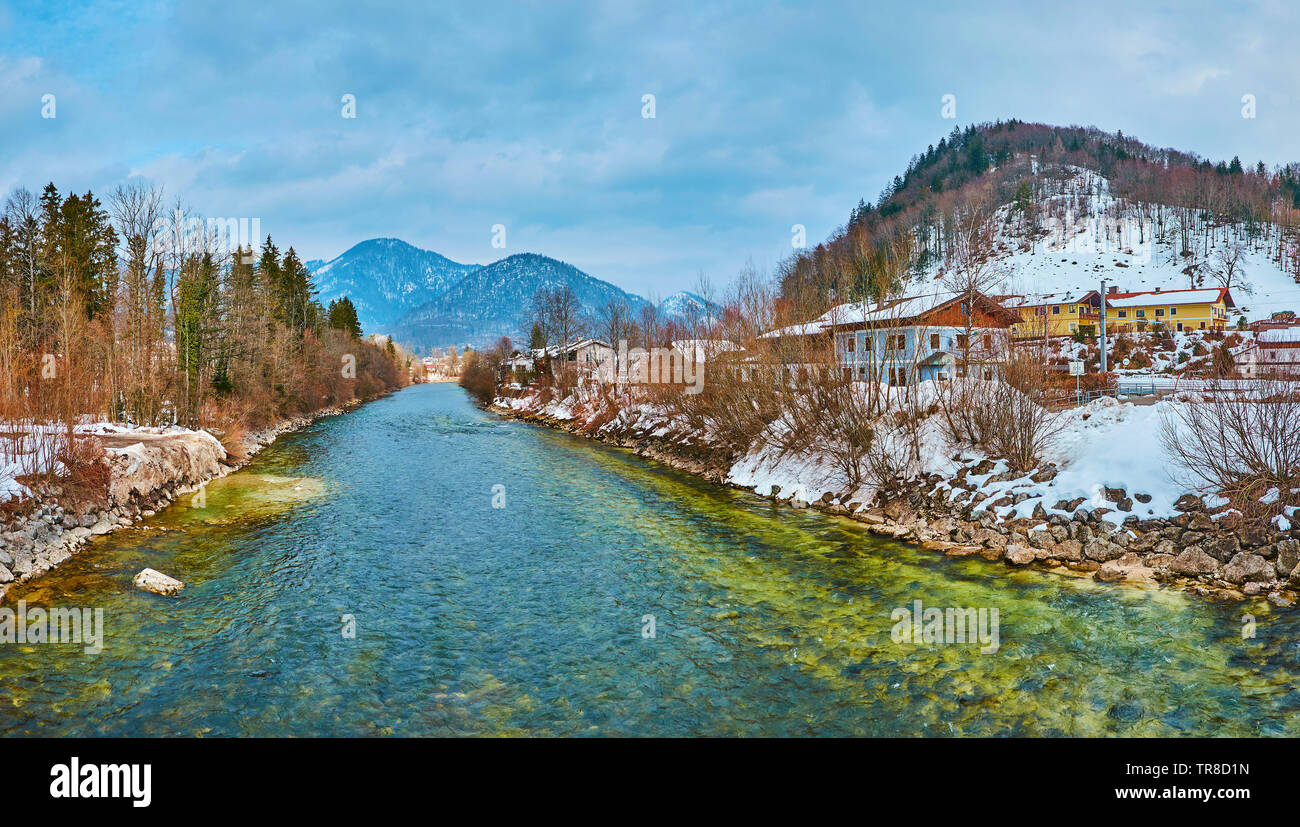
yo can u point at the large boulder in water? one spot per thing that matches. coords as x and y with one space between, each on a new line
155 581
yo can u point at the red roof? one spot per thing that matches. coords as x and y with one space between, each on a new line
1222 294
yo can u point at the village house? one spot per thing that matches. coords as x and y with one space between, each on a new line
1275 353
1054 314
585 356
1174 310
1281 318
913 339
518 362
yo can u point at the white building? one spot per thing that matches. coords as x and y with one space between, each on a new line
1275 352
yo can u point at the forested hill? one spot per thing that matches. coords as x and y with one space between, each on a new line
1039 186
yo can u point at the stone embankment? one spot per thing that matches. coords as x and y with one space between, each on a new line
1206 551
149 469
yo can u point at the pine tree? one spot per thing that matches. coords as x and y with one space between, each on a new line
343 316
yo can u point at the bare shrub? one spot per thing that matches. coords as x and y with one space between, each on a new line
1239 440
1007 415
1022 426
967 411
478 377
87 474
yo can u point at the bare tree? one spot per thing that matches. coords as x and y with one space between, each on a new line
1229 268
137 211
614 325
972 270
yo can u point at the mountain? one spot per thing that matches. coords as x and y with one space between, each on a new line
385 278
685 307
494 301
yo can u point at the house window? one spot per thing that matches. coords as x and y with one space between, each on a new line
962 341
988 373
965 308
862 373
934 341
851 344
1202 325
1073 327
1123 314
1140 314
898 342
573 356
1173 311
1056 310
1180 326
848 374
1160 311
1074 309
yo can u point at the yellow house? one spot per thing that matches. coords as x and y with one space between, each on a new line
1053 314
1174 310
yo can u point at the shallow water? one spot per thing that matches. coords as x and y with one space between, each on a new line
528 619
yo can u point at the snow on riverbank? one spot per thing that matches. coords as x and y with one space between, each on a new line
1106 444
32 449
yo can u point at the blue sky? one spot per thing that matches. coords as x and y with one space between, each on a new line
530 115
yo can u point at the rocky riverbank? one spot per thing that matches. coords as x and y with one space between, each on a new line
1206 550
149 468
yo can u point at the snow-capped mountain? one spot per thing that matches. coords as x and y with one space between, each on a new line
686 307
495 301
385 278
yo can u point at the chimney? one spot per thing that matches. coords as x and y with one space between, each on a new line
1157 289
1113 289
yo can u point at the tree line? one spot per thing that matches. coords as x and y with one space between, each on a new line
134 310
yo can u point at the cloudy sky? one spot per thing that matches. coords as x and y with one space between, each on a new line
530 116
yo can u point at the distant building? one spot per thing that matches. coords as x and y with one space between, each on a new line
1274 353
586 356
518 361
1282 318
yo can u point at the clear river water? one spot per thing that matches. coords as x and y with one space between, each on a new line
535 618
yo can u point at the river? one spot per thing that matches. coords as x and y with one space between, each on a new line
606 595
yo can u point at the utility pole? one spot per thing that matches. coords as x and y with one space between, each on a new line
1103 326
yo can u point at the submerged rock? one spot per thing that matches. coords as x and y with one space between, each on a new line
155 581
